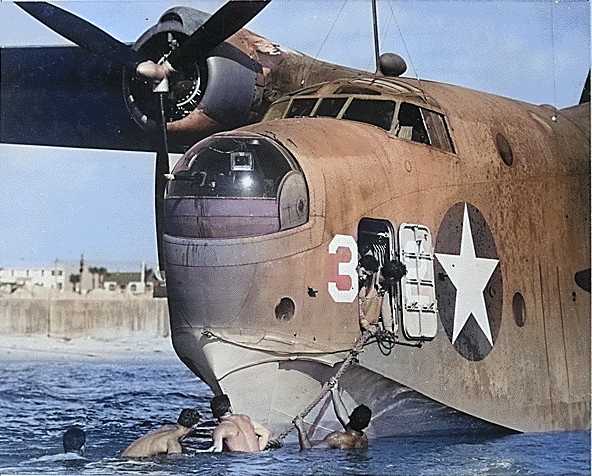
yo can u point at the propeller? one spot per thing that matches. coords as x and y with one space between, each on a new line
161 169
82 33
226 21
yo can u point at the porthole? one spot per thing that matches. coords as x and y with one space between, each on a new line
519 308
504 149
284 311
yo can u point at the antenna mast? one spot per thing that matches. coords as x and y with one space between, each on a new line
375 25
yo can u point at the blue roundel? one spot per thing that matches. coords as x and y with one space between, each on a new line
469 284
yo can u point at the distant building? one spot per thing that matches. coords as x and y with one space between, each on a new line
12 279
135 283
130 282
87 280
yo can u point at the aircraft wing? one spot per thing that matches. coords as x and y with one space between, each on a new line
219 76
64 96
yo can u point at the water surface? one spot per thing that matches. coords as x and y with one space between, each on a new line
119 401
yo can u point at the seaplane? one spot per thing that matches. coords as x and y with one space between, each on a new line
424 244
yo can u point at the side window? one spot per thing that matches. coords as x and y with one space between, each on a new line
411 125
376 112
292 200
301 107
422 125
437 130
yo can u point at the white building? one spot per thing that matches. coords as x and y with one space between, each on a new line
11 279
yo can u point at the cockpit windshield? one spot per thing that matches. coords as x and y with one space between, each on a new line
236 166
383 102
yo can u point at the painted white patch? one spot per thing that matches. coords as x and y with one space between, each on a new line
469 275
345 269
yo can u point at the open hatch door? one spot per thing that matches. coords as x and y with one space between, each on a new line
419 306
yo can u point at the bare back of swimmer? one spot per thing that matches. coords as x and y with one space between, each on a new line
236 432
166 440
353 425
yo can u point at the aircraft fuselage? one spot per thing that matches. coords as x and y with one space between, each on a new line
500 193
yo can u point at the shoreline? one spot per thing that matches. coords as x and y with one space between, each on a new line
113 344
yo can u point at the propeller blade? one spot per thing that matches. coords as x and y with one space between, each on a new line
82 33
160 181
230 18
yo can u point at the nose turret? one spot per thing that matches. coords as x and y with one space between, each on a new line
235 185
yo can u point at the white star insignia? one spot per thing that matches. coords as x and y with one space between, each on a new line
469 275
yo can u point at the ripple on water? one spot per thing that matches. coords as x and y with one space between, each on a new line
118 402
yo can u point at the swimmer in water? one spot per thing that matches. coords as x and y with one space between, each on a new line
353 435
73 440
236 432
165 440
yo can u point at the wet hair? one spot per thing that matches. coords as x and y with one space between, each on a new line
369 262
393 271
220 405
73 440
188 417
360 418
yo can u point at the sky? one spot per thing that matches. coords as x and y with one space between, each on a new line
57 203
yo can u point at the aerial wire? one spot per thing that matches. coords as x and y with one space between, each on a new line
323 44
407 51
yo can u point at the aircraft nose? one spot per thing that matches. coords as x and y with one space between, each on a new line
236 213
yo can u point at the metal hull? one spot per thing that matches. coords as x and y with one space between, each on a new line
513 351
274 388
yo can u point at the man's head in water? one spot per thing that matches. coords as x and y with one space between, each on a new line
220 405
73 440
360 418
188 417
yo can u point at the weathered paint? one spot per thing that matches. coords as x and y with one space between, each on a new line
537 211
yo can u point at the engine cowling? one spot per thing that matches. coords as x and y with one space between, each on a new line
214 93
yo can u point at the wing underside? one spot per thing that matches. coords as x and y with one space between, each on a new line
65 96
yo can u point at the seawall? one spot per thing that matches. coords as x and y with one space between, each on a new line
74 316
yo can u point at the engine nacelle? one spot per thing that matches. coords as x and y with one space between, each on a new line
222 86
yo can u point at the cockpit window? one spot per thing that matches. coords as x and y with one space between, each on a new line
330 107
231 167
372 111
411 125
301 107
422 125
413 122
277 110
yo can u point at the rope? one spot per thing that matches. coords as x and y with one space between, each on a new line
208 333
356 349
